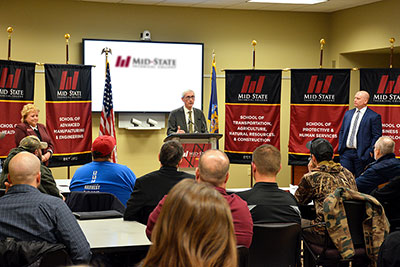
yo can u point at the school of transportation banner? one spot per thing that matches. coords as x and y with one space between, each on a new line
319 99
383 86
69 116
252 112
16 90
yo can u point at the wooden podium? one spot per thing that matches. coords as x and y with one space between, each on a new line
194 144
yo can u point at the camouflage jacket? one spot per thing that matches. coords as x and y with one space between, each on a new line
319 183
375 226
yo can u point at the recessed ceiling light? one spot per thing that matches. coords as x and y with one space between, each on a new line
299 2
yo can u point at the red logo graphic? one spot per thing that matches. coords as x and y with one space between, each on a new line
250 89
389 87
11 80
122 62
318 88
67 83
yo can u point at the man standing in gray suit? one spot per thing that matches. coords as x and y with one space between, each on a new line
187 119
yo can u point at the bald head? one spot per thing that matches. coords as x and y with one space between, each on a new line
213 167
361 99
24 168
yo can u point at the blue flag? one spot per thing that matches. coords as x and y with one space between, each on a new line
213 110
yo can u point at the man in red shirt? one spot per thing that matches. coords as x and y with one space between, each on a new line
214 170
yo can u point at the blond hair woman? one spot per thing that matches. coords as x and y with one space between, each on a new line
195 228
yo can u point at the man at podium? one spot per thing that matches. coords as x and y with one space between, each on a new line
187 119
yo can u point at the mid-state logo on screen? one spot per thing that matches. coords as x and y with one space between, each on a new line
9 83
68 85
251 90
318 89
136 62
388 90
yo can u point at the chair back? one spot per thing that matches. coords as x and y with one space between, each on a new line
243 256
275 244
355 212
79 201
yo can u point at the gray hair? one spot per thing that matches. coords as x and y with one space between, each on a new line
187 91
385 144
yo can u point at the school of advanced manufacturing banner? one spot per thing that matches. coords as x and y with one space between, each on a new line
252 112
319 99
383 86
69 116
16 90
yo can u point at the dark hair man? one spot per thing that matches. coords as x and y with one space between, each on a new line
268 203
28 215
151 188
102 175
214 170
384 169
323 178
32 144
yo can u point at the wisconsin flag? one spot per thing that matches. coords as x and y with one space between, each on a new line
213 109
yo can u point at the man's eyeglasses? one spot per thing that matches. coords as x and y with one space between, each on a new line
189 97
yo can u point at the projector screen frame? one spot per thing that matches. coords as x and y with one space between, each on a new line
198 103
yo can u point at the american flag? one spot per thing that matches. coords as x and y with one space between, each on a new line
107 122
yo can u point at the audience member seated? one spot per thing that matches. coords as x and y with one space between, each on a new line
195 229
214 169
384 169
33 145
268 203
323 178
389 197
102 175
150 188
28 215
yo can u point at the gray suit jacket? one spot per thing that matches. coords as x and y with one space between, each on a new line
177 118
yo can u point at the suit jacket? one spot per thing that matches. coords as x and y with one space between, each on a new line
23 129
149 190
177 118
369 131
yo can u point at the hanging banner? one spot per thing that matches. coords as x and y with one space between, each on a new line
16 90
383 86
69 117
252 112
319 99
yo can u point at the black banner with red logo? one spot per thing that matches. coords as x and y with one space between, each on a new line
383 86
16 90
319 99
252 112
68 108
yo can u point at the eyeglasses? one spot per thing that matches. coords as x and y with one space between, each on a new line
189 97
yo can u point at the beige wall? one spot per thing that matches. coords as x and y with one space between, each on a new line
285 40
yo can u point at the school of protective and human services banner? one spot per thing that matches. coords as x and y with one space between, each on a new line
383 86
69 116
252 112
16 90
319 99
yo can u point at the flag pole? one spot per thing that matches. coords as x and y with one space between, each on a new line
9 30
391 40
254 43
67 36
106 50
322 42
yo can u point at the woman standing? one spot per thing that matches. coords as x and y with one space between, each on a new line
29 126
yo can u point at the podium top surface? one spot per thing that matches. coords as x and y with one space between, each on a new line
193 136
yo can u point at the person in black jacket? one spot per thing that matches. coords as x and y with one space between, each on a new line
151 188
268 203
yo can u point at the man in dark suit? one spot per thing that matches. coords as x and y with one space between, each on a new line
361 128
187 119
151 188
